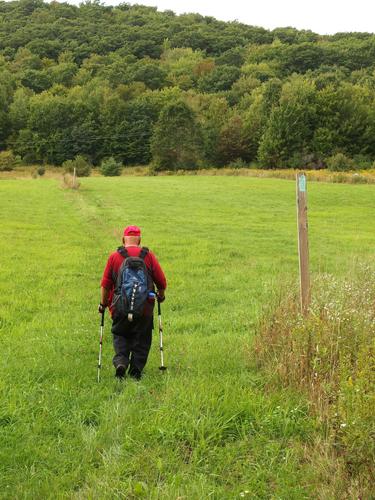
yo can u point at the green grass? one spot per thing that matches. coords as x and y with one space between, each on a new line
211 427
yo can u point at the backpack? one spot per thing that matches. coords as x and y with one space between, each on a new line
133 285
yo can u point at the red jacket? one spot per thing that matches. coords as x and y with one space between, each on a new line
114 263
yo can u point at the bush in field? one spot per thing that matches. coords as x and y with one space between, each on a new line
41 170
330 355
7 161
110 167
69 182
238 163
307 161
339 163
82 166
362 162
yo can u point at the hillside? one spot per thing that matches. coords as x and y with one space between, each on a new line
95 80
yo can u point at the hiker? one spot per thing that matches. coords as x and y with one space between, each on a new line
130 303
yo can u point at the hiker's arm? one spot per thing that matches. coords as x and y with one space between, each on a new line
106 285
104 295
159 278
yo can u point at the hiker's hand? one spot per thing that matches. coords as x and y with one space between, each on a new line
161 298
101 308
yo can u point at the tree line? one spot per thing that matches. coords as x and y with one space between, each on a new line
141 86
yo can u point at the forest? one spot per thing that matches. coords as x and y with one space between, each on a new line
180 91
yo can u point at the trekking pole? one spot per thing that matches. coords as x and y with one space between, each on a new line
100 345
161 367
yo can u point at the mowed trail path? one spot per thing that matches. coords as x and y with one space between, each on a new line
212 426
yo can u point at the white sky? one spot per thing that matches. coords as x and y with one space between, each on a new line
320 16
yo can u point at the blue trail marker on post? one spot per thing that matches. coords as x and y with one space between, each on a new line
303 242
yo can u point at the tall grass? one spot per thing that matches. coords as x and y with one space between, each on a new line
330 356
360 177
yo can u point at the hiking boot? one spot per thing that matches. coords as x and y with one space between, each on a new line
120 371
135 373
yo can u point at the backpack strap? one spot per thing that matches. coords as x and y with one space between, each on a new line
122 251
144 252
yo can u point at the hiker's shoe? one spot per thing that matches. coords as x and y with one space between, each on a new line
120 371
135 373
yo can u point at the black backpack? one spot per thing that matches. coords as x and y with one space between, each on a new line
133 285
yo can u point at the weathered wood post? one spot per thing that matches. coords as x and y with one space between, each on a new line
303 242
74 177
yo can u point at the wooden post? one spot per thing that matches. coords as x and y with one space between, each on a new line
303 242
74 178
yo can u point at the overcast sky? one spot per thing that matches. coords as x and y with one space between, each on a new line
321 16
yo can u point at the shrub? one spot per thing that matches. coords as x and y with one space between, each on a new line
110 167
7 161
238 163
330 356
82 166
41 170
307 161
339 163
362 162
69 182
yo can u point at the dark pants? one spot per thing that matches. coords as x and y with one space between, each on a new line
132 343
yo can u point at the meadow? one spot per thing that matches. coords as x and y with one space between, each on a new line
214 425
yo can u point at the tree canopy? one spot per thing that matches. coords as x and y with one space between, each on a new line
102 81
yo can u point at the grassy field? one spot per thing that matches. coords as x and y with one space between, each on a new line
212 427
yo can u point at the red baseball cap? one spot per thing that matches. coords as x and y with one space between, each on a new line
132 231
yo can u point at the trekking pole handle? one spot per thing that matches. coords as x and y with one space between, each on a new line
159 309
102 321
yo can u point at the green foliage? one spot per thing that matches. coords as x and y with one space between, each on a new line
62 73
339 163
262 71
80 164
232 57
184 66
151 75
291 124
362 162
176 143
308 161
238 163
35 80
94 79
219 79
232 143
7 161
110 167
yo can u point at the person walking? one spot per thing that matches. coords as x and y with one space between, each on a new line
131 301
